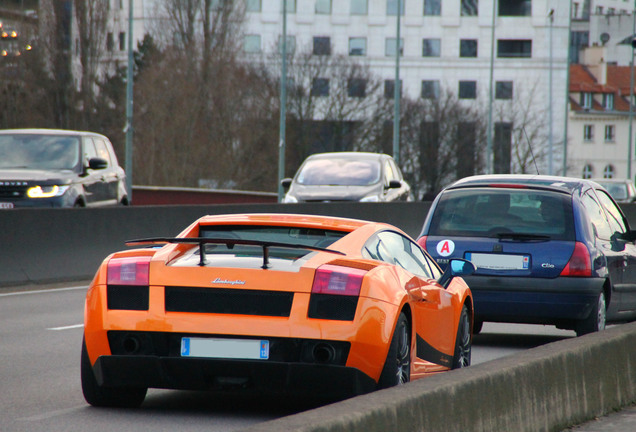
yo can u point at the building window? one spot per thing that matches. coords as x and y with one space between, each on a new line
503 90
515 8
291 44
252 43
468 48
322 45
588 132
430 89
599 10
608 172
122 41
470 7
253 5
389 47
431 47
323 7
357 87
468 89
433 7
110 41
359 7
608 101
610 133
389 89
392 7
586 100
291 5
514 48
588 171
357 46
320 87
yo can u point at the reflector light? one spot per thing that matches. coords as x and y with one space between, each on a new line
580 263
331 279
422 242
128 271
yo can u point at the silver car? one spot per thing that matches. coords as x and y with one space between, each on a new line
347 176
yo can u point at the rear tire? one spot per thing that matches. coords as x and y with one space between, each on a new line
99 396
596 320
397 367
463 343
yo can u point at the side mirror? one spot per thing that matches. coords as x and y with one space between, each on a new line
286 182
394 184
97 163
456 267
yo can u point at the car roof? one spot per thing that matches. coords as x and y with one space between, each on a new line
285 219
557 183
349 155
44 131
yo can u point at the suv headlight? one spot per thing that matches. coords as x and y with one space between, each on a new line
371 198
46 191
288 199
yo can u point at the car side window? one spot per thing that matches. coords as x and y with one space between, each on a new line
596 215
102 151
616 220
401 252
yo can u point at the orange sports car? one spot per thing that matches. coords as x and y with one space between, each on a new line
279 303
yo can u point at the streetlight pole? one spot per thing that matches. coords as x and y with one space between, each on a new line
489 149
550 138
396 89
283 103
128 129
631 97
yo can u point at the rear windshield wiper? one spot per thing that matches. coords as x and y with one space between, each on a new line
522 236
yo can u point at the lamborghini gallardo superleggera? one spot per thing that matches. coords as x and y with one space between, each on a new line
278 303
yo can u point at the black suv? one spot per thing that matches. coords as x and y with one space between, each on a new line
59 168
548 250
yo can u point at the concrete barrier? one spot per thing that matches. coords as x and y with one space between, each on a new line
547 388
53 245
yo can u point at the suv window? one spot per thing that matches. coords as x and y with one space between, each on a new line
102 150
484 212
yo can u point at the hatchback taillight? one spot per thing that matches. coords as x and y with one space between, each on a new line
422 242
331 279
580 263
128 271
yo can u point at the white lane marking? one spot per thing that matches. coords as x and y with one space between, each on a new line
51 414
44 291
66 327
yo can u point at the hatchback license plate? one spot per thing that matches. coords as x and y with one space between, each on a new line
499 261
6 205
246 349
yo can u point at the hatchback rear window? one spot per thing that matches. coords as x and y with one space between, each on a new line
490 212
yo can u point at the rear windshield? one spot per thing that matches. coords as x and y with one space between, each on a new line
289 235
490 212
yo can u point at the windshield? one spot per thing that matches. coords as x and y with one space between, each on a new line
339 172
41 152
493 212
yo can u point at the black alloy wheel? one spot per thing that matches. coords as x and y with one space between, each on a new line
463 343
397 368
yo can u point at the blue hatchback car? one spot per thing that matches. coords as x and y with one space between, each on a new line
548 250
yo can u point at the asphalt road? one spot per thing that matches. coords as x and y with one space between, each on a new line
40 341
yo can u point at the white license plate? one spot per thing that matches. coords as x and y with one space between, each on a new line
499 261
246 349
4 205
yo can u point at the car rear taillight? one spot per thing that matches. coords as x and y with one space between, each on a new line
331 279
128 271
422 242
580 263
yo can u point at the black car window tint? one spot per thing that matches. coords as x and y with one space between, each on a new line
431 271
614 215
597 216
